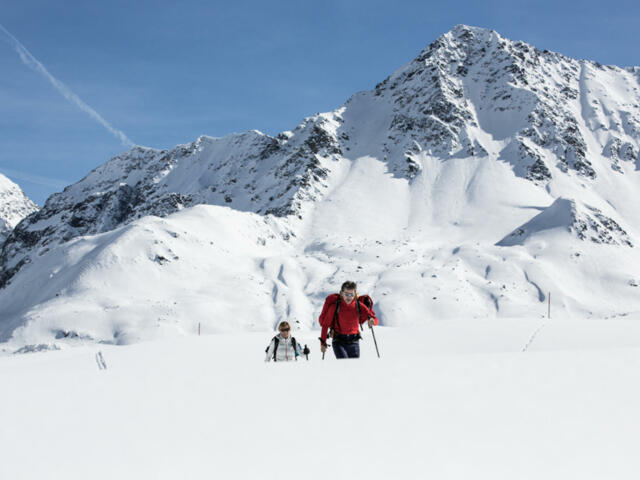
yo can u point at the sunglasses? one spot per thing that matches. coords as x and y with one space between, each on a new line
348 294
285 329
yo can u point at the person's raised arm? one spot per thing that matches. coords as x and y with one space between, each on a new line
369 314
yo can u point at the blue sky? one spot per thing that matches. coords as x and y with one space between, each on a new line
166 72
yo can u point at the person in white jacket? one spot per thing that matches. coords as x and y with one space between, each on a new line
283 347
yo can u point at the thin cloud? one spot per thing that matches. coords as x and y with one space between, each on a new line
36 179
31 62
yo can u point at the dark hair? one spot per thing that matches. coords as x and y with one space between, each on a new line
348 285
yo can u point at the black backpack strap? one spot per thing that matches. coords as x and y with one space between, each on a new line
295 348
336 314
276 340
358 306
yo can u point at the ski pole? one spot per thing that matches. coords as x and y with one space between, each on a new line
374 340
306 352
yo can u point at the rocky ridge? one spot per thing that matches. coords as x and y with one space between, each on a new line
470 94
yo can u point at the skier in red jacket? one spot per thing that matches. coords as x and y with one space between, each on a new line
342 315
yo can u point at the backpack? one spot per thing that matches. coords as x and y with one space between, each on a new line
367 301
276 341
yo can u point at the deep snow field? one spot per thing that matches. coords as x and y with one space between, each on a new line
494 399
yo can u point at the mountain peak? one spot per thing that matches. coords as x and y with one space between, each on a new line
465 32
14 206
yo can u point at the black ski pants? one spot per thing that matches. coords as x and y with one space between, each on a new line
346 350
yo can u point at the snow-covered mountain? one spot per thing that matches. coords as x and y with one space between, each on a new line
14 206
473 181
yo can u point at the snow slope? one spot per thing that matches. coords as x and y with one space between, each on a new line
471 183
159 276
448 400
232 270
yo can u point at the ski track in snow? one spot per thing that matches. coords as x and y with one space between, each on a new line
533 337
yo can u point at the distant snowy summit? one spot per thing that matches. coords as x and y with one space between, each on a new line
14 206
568 126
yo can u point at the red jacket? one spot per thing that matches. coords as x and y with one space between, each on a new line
347 322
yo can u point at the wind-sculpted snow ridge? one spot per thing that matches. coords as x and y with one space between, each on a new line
14 206
418 188
585 222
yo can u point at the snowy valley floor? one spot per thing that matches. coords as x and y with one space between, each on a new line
449 400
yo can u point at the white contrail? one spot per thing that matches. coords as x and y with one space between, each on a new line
31 62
